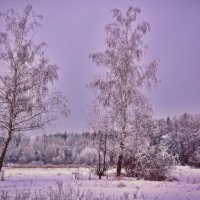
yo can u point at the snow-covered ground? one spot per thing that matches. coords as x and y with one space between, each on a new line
186 187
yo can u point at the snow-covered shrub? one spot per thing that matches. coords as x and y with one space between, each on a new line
28 156
194 160
88 156
59 157
78 176
149 163
121 184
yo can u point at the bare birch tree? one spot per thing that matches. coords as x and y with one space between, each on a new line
120 87
25 78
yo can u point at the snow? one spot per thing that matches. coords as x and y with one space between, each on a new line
186 186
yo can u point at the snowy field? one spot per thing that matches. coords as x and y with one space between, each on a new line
81 183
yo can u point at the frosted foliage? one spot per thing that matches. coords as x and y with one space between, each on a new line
119 88
194 159
60 156
150 163
101 125
182 137
25 79
88 156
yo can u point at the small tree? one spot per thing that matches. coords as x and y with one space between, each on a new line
120 88
25 101
99 123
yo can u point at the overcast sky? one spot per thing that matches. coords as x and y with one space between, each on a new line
74 28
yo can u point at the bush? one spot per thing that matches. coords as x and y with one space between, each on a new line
149 163
88 156
194 160
121 184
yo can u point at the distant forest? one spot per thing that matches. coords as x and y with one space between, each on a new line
181 136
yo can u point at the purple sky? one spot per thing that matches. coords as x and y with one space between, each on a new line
75 28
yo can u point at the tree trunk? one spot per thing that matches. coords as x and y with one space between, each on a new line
120 159
119 165
99 176
99 164
2 157
104 153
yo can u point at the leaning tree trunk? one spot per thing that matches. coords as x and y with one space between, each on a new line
3 154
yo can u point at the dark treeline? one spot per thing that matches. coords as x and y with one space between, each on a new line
180 135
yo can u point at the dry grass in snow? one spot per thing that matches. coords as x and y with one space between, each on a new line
81 183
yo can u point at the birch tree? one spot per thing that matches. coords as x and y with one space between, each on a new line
120 87
101 126
26 102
